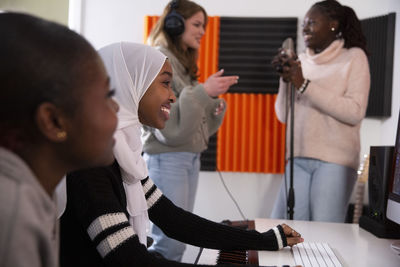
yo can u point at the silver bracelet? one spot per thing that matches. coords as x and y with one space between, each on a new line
303 87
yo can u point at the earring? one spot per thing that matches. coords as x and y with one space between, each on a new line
61 135
333 29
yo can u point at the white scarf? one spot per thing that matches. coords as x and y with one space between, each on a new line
132 69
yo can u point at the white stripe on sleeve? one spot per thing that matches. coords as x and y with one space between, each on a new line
278 237
114 240
105 221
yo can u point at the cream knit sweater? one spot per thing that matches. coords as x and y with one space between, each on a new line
29 230
328 114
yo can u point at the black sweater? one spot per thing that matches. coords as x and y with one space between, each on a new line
95 230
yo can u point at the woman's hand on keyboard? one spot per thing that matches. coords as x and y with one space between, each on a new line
292 236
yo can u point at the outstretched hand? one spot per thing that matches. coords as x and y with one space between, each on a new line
292 236
217 84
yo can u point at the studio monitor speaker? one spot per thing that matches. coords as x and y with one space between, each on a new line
379 177
380 170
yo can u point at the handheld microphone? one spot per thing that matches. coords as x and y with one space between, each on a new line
288 46
288 50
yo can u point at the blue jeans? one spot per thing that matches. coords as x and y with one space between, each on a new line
176 174
322 191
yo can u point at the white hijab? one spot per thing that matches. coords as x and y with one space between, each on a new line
132 69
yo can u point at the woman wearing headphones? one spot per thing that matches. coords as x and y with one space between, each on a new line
173 153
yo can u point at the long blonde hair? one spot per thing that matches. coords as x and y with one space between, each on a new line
159 37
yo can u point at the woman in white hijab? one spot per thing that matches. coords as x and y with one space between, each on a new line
106 218
133 66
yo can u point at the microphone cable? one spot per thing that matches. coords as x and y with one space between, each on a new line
234 201
226 187
230 195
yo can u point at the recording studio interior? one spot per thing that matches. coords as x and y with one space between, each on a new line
243 194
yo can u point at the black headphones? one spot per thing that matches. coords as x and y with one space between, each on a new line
174 23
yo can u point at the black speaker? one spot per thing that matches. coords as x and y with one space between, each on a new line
174 23
380 170
379 173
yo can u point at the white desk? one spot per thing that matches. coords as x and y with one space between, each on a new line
353 246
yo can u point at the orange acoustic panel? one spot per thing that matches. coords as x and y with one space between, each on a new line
149 22
208 52
251 139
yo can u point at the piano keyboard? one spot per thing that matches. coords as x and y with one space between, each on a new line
238 256
315 255
233 257
211 256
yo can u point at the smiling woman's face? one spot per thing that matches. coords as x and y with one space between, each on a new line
317 30
194 31
155 105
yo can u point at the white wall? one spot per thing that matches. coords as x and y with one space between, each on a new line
51 10
104 22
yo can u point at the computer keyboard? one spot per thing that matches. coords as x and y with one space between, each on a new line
315 255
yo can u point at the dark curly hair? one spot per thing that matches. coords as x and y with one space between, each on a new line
349 24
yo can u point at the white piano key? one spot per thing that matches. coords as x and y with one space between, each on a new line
332 255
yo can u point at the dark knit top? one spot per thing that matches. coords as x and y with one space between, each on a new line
95 230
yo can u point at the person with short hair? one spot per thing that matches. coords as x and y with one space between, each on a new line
56 116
